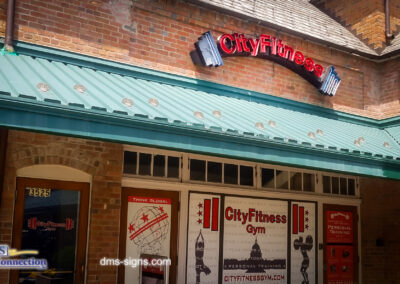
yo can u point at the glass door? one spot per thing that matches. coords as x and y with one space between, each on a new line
51 217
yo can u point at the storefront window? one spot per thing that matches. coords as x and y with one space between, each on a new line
197 170
173 167
335 185
156 165
214 172
309 182
351 189
250 174
159 165
339 185
268 178
295 181
326 181
144 164
282 179
130 162
343 186
230 174
246 175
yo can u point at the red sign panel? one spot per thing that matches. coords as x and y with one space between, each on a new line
340 264
339 227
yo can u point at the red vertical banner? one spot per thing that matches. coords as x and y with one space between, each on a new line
340 249
207 208
301 219
295 218
215 208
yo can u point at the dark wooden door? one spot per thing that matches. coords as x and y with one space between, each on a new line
51 217
149 225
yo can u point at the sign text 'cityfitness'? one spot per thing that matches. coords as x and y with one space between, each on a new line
268 47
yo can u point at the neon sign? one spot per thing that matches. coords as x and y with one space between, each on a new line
34 223
268 47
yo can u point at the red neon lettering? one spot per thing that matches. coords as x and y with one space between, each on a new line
299 58
273 48
264 42
238 43
235 43
309 64
287 50
222 43
281 51
243 41
318 70
255 44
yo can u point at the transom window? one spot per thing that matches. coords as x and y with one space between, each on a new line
191 168
223 173
339 185
287 179
152 165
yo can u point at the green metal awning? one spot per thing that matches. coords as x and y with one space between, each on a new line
52 91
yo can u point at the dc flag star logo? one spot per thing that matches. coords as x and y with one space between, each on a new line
208 213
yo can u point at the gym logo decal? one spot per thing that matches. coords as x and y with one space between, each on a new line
303 235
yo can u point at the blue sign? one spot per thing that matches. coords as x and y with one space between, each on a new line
208 50
330 83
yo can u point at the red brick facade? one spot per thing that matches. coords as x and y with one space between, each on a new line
103 161
380 227
159 35
389 102
366 18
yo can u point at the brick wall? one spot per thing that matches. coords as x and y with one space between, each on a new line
380 220
390 101
159 35
101 160
366 18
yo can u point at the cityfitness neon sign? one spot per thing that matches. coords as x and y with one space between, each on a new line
268 47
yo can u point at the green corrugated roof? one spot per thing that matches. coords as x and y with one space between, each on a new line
185 106
394 132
